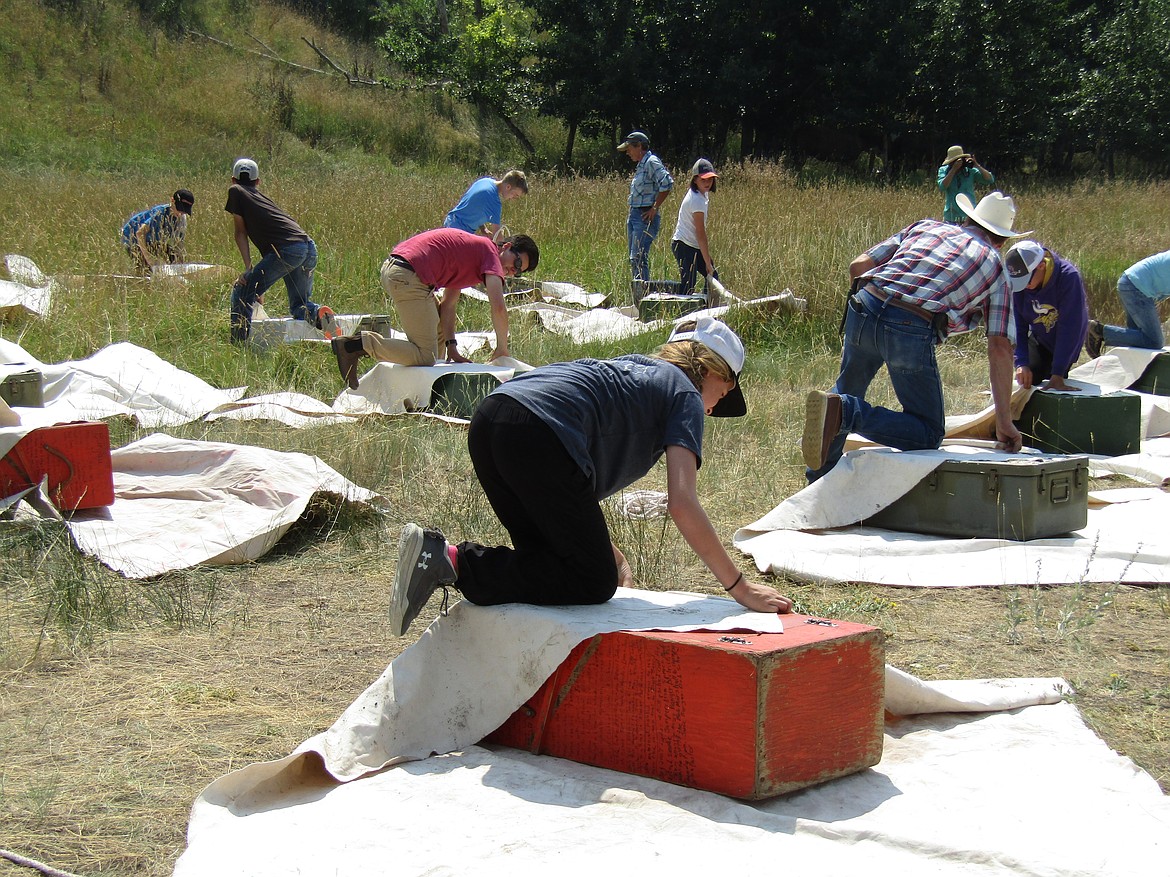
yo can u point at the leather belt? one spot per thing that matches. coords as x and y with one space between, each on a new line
401 263
917 310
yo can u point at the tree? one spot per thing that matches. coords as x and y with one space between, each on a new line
479 50
1122 104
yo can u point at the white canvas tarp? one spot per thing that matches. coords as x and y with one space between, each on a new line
1029 790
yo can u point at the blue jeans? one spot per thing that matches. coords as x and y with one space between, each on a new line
1143 327
295 263
640 236
690 266
877 334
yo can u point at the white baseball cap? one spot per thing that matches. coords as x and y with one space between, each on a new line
718 336
245 170
1021 261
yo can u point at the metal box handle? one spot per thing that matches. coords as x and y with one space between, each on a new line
1060 490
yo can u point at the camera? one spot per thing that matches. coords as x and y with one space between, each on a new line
968 162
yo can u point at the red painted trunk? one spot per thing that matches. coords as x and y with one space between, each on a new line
74 456
743 714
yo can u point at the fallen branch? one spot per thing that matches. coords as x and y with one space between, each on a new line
266 55
351 79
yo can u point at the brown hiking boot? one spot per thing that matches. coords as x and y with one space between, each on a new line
822 423
348 351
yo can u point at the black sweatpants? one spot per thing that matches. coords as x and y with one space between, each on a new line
561 552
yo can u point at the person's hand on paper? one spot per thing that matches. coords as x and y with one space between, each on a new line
453 354
1056 382
1009 438
759 598
1024 376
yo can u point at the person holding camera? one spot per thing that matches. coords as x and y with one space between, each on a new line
957 176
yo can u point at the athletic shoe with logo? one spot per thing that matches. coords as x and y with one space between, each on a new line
423 566
1094 339
327 323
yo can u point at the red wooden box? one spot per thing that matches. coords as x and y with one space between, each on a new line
74 456
743 714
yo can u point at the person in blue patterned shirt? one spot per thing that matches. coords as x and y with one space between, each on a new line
910 292
648 189
154 236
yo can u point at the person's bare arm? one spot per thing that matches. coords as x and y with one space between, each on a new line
861 265
695 527
448 305
1000 361
140 239
701 236
494 284
949 178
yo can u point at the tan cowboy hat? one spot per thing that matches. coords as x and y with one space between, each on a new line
996 213
954 154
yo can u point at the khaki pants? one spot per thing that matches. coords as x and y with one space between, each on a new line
418 312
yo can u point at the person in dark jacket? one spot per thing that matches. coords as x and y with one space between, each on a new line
1051 313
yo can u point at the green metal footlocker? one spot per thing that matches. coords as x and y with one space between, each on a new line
1023 499
1077 423
459 394
1156 378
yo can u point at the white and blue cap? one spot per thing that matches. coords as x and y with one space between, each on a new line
1021 261
718 336
245 170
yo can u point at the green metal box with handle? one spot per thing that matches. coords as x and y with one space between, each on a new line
1022 499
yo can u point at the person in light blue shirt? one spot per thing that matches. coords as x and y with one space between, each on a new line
957 176
648 189
1140 288
481 207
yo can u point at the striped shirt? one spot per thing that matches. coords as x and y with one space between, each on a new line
944 267
650 178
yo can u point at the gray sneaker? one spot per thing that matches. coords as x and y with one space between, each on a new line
423 566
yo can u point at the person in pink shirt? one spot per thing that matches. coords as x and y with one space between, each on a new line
446 259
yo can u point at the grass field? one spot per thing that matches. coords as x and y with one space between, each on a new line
120 700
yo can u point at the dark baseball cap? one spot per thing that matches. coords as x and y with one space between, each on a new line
634 137
184 200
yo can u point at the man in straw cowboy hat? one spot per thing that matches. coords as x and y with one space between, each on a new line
910 292
956 177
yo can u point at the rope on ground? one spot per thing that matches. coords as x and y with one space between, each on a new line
18 859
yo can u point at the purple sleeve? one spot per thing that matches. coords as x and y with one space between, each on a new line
1073 323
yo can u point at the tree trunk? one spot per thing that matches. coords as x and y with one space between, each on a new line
567 160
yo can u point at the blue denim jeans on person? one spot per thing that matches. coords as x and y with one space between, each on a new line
1143 326
690 265
295 263
640 235
877 334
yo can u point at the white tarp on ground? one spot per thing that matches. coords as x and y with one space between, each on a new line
26 290
388 388
1026 791
126 380
179 504
1122 542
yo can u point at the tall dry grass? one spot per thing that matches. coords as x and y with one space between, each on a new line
119 700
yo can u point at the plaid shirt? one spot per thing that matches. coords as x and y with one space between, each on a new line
650 178
943 267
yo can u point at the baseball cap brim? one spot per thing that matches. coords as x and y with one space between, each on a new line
731 405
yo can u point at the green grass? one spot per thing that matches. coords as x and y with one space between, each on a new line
120 699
